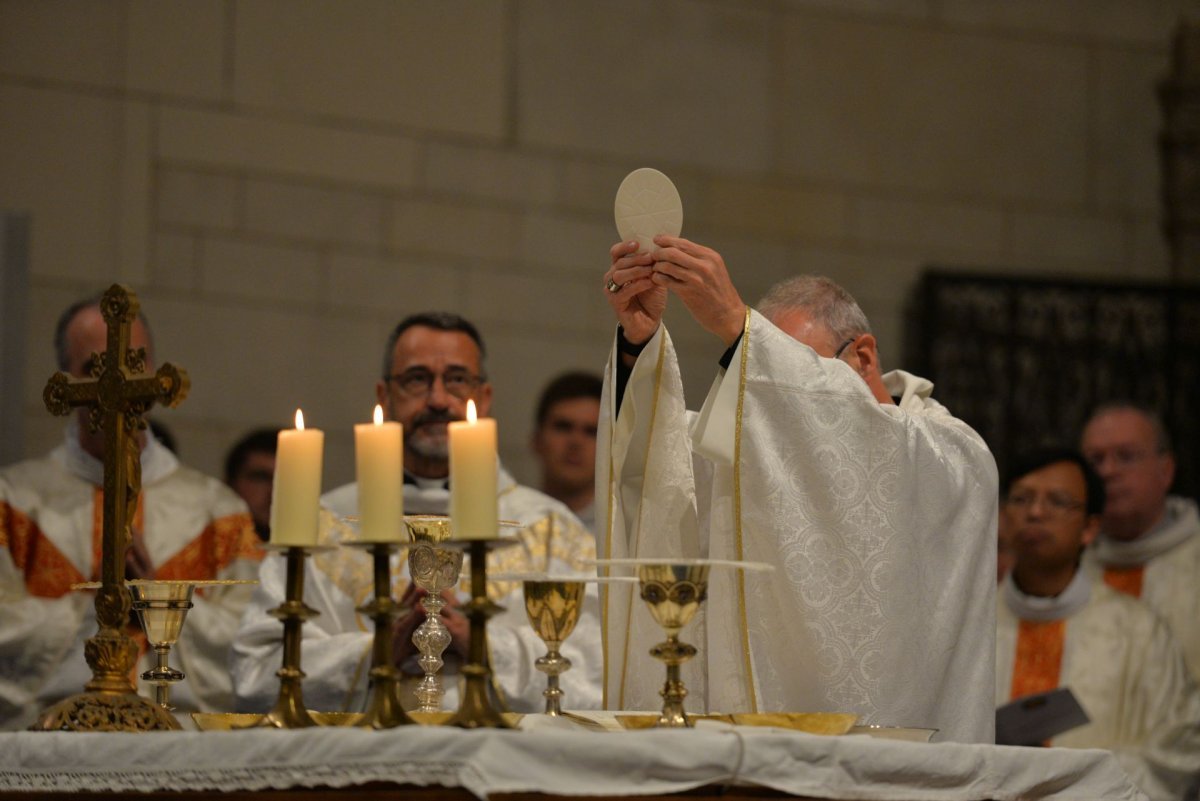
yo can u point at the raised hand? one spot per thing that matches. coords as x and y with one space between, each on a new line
637 300
698 276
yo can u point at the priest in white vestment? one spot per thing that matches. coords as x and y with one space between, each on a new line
875 505
433 364
1058 628
186 526
1149 543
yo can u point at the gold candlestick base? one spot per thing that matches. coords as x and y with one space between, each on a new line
289 711
384 710
477 708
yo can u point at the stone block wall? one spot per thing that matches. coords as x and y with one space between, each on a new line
282 180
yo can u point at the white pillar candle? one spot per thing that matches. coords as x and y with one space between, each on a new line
473 509
295 499
379 462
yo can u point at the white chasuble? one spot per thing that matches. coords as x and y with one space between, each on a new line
879 520
336 649
1162 569
1124 667
51 514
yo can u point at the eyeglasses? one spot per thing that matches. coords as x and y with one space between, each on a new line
837 354
1121 457
1053 504
417 383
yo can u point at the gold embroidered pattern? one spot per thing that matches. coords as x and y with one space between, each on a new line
737 514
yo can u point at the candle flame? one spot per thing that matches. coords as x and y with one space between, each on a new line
471 411
378 415
299 420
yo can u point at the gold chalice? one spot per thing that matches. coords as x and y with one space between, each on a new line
673 591
553 610
432 569
162 607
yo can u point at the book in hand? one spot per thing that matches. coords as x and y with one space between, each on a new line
1034 719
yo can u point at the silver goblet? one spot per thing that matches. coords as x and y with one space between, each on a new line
433 570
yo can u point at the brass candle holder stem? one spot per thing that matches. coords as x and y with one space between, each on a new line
384 710
477 709
289 711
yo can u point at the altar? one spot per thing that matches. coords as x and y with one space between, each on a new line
548 757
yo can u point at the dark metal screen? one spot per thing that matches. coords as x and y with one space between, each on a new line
1024 361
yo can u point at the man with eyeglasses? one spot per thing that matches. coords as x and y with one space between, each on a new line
1057 628
1149 543
876 506
433 363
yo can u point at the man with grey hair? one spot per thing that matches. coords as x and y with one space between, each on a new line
876 506
1149 543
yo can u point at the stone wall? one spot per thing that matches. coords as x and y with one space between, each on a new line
282 180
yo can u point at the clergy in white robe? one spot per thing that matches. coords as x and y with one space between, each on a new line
51 510
186 526
876 507
433 364
1149 543
1057 627
336 648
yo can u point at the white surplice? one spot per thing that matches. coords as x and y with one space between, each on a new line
336 650
880 522
194 527
1170 556
1127 671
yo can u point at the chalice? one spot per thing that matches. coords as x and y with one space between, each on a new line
673 591
553 609
162 607
432 569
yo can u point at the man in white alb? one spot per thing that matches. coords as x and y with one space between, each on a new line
1149 543
1057 628
187 526
433 364
875 505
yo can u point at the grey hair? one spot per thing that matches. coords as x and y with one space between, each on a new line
1162 440
825 302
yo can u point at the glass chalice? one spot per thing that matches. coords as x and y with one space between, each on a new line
162 606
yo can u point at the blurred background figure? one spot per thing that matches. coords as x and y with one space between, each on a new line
564 440
1006 555
250 472
1149 543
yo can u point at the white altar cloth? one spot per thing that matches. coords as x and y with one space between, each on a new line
557 757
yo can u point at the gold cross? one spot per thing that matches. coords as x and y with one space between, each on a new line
117 393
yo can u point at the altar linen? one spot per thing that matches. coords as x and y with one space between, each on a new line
1122 664
51 513
1162 569
880 520
336 649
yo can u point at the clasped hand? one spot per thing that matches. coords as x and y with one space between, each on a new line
696 274
404 627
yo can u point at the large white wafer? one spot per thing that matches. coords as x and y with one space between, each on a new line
647 205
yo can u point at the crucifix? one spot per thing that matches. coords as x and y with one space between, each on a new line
117 393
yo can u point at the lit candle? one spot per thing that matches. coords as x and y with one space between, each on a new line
379 462
295 499
473 509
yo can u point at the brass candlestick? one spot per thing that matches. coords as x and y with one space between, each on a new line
673 591
383 710
289 711
477 708
552 607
